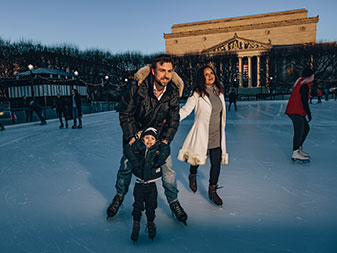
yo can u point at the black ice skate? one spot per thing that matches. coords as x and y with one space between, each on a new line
151 229
178 212
135 231
115 205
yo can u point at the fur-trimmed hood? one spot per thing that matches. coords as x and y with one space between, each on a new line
143 73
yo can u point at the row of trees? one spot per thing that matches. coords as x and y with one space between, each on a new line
285 63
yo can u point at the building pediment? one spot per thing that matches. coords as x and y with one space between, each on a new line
237 44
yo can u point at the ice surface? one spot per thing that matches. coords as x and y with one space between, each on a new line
55 185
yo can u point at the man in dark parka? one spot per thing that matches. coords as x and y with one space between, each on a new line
153 102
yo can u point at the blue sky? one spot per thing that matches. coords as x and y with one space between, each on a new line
136 25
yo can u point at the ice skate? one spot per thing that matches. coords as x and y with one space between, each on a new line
178 212
213 196
135 231
192 178
151 229
115 205
303 153
297 156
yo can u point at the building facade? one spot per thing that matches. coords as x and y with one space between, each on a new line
248 37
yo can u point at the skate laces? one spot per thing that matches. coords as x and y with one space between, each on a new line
117 202
150 226
177 209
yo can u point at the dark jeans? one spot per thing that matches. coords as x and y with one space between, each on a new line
65 117
29 115
301 129
76 115
229 106
145 197
39 114
215 158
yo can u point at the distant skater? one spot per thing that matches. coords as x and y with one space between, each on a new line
297 110
319 96
326 93
232 100
28 110
38 110
61 109
76 108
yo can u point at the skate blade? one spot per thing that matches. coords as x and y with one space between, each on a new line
300 160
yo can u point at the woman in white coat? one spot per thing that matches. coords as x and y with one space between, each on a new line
207 135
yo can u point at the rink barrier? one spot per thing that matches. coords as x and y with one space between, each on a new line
18 116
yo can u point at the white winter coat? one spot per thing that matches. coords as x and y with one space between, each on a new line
195 147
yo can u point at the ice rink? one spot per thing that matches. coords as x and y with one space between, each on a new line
55 185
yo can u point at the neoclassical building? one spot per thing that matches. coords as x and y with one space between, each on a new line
248 37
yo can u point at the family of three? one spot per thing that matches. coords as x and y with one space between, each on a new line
149 118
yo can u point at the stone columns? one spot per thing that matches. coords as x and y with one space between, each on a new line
258 71
249 71
267 71
240 71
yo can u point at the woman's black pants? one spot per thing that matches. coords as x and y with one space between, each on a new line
215 158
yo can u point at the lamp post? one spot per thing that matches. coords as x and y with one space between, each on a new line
271 87
45 104
31 67
76 76
106 90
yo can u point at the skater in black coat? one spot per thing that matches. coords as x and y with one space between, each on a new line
28 110
152 101
76 108
232 100
61 109
38 109
146 156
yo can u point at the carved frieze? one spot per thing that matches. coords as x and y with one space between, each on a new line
238 44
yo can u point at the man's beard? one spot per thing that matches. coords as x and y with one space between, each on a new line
159 81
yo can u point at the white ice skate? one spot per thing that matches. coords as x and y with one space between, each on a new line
298 156
303 153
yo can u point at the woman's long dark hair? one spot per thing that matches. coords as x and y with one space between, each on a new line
200 82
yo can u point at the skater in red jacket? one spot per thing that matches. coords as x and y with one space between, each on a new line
297 110
319 96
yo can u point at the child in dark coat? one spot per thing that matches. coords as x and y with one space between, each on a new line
146 156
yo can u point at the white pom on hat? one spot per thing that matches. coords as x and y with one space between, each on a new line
151 131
